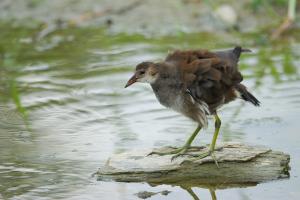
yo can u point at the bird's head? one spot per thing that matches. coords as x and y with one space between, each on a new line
145 72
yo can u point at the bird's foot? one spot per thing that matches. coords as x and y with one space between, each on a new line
208 153
175 151
184 152
180 153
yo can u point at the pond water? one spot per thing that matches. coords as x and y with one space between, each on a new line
64 111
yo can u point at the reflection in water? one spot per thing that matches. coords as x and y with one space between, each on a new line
68 88
203 191
195 197
192 193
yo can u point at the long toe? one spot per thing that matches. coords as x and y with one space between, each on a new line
203 155
157 153
208 153
213 155
175 151
181 153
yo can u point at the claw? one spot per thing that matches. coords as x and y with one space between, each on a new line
151 153
158 153
178 152
178 155
209 153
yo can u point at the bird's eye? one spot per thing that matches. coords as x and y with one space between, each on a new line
142 72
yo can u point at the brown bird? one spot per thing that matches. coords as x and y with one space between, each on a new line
196 83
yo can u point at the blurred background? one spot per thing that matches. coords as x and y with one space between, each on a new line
64 109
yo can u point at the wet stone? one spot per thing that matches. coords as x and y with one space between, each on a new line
238 164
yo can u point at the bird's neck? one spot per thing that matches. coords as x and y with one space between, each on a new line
166 90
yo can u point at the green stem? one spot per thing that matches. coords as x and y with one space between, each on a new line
292 9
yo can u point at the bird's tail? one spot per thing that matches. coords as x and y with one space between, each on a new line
246 95
238 50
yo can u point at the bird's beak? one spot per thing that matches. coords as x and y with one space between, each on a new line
131 81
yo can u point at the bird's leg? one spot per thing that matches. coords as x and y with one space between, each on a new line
213 194
191 192
183 149
210 152
188 143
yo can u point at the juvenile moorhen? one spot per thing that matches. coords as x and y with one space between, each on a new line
196 83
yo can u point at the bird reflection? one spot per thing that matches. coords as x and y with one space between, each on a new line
195 197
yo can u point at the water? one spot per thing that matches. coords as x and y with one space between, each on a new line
64 111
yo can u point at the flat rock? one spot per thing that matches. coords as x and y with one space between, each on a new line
238 164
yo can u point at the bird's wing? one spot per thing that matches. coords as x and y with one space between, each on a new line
207 75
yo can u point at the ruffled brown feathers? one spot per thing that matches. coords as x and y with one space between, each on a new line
211 77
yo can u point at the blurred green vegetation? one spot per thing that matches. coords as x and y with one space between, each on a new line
261 4
69 50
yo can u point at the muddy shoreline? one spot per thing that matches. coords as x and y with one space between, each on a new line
144 16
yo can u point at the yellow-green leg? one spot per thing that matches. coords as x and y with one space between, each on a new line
191 192
210 152
183 149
